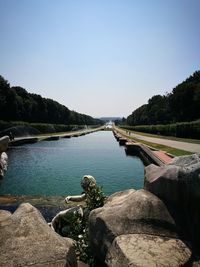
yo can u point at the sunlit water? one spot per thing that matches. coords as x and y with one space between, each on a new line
56 167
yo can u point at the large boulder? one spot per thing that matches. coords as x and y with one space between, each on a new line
141 250
186 160
4 215
175 182
3 156
128 212
3 163
178 185
27 240
4 143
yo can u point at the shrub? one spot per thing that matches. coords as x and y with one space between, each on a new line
43 127
179 129
77 225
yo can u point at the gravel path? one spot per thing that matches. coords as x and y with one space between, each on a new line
177 144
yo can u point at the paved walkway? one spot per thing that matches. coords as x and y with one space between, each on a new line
171 143
162 156
71 133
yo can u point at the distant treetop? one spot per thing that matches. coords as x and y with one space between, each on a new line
182 104
16 104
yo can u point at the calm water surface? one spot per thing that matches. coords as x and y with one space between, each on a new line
56 167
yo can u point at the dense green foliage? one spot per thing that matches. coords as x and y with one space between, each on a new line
181 105
16 104
180 129
6 126
77 226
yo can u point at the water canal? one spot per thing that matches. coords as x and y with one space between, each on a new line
51 168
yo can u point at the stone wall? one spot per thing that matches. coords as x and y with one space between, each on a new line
178 185
154 226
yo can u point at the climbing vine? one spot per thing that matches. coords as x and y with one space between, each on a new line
77 225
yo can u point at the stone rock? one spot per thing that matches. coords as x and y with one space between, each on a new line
178 185
4 143
141 250
176 181
162 180
196 263
186 160
3 163
4 215
27 240
128 212
3 156
81 264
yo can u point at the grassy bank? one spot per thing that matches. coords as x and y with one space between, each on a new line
179 129
188 140
20 127
171 150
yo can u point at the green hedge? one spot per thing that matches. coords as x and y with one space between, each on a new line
8 124
53 128
180 129
43 127
49 128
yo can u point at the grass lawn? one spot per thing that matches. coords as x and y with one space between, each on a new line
194 141
170 150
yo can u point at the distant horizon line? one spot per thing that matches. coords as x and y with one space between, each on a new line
108 117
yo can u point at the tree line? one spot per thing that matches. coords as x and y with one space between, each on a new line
16 104
181 105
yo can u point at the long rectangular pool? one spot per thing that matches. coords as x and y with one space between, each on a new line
53 168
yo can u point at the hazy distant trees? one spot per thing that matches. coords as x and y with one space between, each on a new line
16 104
181 105
184 101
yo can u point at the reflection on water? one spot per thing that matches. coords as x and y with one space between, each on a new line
56 167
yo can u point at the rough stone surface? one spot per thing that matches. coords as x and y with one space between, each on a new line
4 143
128 212
162 180
176 181
3 164
147 250
27 240
196 263
4 215
81 264
178 185
3 156
186 160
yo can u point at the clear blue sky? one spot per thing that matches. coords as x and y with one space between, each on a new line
99 57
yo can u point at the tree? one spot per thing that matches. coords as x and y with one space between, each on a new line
181 105
17 104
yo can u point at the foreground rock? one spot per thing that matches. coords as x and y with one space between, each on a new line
4 143
178 185
147 250
3 156
4 215
133 221
27 240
